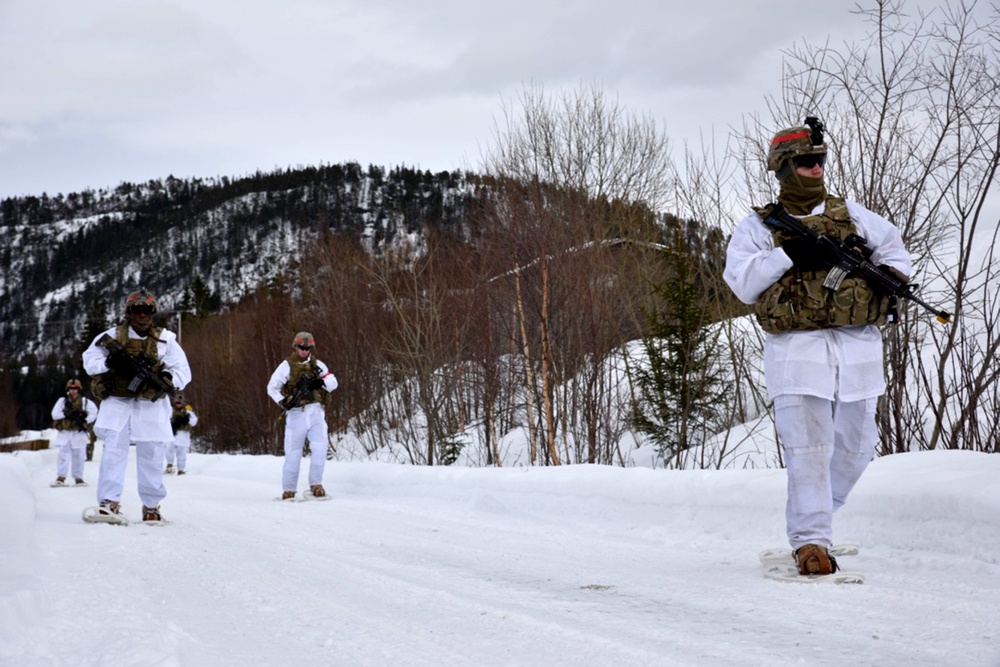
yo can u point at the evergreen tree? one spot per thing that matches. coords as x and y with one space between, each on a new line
202 300
187 301
96 322
680 385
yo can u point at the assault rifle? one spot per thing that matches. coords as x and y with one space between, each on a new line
180 421
301 390
143 367
77 419
853 257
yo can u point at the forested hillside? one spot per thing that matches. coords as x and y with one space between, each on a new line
63 254
200 245
441 300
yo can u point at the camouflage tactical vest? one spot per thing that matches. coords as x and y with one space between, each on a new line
69 405
112 384
800 302
298 369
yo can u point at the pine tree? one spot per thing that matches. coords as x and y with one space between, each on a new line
680 385
95 324
202 299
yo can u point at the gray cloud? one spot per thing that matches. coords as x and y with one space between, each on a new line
98 93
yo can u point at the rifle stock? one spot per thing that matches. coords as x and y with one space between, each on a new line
851 258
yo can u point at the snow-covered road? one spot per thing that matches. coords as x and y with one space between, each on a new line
579 565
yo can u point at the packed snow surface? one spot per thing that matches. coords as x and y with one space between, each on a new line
573 565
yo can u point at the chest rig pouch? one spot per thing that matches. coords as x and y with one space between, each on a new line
113 384
69 406
298 370
799 301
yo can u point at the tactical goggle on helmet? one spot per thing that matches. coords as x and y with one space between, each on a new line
140 299
304 340
793 142
74 384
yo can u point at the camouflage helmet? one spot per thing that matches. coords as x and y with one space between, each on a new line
140 297
304 339
794 141
73 384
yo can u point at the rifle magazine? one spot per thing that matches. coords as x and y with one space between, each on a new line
834 277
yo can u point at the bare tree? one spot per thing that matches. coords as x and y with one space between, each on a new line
231 359
424 344
570 171
585 142
8 407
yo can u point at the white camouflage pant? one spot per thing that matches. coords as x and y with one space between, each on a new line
179 453
114 460
178 448
301 423
72 446
827 445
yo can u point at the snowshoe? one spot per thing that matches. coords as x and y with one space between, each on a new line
109 511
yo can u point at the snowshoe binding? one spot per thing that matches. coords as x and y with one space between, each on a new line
151 514
815 559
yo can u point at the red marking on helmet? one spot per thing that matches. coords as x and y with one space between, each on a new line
789 137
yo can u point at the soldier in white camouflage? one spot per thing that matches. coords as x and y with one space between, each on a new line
134 408
300 385
182 420
72 417
823 348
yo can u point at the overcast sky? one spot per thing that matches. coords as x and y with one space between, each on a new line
96 93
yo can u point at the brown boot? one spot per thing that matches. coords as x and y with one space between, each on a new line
287 495
317 490
814 559
110 507
151 513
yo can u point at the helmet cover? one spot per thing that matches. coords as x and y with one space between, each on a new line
794 141
139 298
304 339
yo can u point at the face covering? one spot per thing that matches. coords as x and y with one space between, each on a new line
801 194
141 329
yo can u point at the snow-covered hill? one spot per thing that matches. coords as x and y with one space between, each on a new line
61 254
